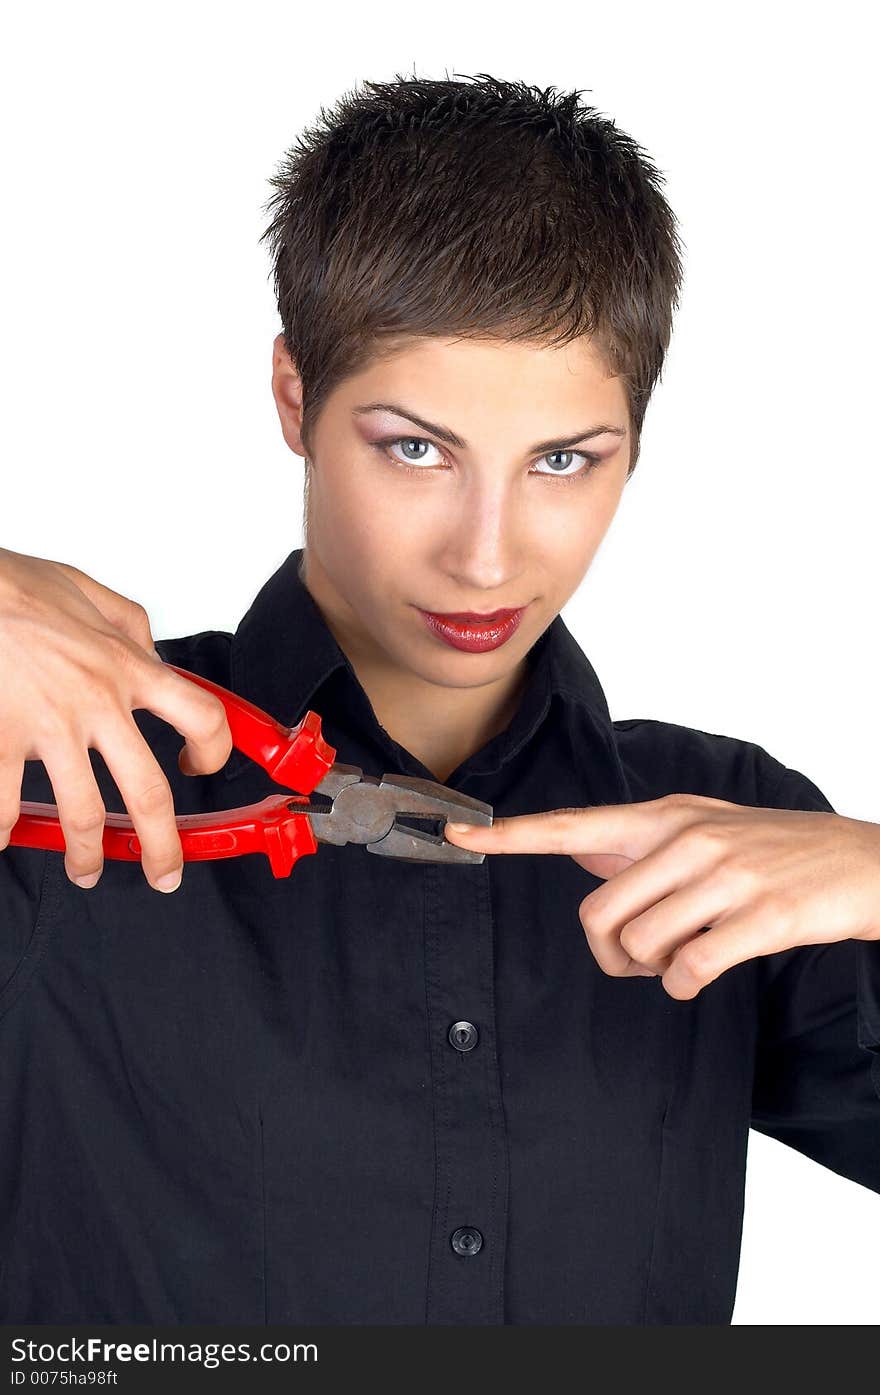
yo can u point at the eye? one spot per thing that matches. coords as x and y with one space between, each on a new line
412 448
561 471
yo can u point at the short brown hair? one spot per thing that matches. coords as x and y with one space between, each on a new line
477 209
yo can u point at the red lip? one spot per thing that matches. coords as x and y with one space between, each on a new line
474 617
475 634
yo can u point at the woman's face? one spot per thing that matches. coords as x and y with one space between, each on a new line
402 519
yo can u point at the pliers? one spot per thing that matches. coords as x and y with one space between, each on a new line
362 808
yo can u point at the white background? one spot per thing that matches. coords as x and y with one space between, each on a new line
736 591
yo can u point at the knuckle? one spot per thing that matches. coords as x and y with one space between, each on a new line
75 871
140 624
23 603
778 909
155 798
74 575
678 799
95 695
122 651
87 820
211 719
738 881
593 921
703 839
697 958
65 730
637 942
50 728
138 612
687 799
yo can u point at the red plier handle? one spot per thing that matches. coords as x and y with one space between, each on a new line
296 757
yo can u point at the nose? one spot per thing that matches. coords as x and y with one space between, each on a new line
485 547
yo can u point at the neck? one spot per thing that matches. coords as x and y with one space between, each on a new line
440 726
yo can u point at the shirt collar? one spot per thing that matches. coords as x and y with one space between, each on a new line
283 652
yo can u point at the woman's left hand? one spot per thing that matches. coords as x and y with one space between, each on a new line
694 885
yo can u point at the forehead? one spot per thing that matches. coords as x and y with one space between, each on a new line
490 374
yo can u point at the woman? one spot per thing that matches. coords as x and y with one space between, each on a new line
380 1092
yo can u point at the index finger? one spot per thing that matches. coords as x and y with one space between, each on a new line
196 713
629 829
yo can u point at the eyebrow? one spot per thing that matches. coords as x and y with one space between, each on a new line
444 434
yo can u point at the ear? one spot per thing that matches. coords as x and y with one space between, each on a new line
287 391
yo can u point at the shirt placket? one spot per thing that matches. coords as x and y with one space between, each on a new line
469 1225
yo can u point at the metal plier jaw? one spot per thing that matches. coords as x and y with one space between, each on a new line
361 809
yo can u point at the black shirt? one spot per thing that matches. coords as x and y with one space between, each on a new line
253 1100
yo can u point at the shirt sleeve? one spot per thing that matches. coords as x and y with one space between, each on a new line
817 1072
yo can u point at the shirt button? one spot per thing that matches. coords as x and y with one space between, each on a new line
463 1036
466 1240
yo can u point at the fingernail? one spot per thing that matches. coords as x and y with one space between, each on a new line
89 881
460 827
647 973
171 881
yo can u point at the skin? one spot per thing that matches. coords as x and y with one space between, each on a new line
477 528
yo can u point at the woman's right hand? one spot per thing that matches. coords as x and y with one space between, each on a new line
77 659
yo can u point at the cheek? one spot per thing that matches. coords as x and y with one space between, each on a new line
562 540
347 506
374 503
361 535
570 528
